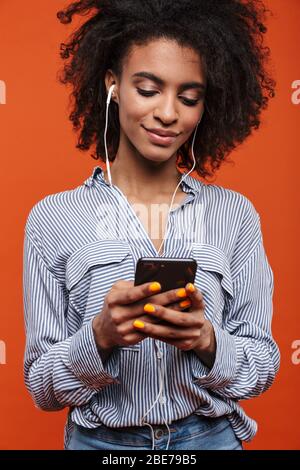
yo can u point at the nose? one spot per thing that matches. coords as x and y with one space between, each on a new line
166 110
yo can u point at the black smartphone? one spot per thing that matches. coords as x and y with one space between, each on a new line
171 273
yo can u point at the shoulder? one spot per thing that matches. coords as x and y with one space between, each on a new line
227 202
55 204
53 210
238 214
231 222
227 195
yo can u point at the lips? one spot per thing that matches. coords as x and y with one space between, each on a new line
159 139
162 132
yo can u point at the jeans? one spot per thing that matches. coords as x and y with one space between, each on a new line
194 432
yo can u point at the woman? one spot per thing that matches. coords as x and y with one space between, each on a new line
157 86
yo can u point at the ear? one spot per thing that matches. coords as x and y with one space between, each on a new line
114 95
110 79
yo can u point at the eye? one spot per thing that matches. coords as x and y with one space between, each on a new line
145 92
190 102
186 101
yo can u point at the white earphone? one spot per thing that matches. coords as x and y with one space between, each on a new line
110 92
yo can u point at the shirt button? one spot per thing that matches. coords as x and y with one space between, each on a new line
158 433
162 400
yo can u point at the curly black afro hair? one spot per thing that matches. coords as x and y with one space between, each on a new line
228 35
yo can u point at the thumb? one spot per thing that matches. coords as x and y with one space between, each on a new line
195 295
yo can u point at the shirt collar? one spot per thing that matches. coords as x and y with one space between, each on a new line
190 183
90 180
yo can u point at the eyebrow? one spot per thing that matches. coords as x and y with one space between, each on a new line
160 81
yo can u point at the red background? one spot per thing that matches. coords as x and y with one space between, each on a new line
39 157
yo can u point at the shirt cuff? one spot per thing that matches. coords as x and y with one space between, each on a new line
85 361
224 367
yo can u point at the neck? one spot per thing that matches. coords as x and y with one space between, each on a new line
145 179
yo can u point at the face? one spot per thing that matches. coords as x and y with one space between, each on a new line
162 88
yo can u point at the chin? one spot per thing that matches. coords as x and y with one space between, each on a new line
155 160
159 154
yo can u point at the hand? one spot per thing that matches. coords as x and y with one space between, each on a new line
122 305
185 330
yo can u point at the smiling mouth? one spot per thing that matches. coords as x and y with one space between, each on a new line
159 139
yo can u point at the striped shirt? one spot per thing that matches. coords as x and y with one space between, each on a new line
79 242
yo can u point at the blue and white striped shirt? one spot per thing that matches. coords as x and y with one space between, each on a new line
73 254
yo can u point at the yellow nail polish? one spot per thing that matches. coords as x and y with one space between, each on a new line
149 308
139 324
190 287
185 303
154 287
181 292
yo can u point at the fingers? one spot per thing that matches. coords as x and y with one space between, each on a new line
132 338
174 317
195 296
124 293
190 330
128 301
126 328
184 299
181 306
122 283
168 297
125 296
166 320
122 314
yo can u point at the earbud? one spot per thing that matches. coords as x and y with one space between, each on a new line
110 92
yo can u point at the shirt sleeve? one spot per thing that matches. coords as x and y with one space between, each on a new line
60 370
247 357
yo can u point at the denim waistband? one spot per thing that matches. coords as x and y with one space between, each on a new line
190 423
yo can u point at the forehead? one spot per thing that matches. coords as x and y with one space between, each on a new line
167 59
